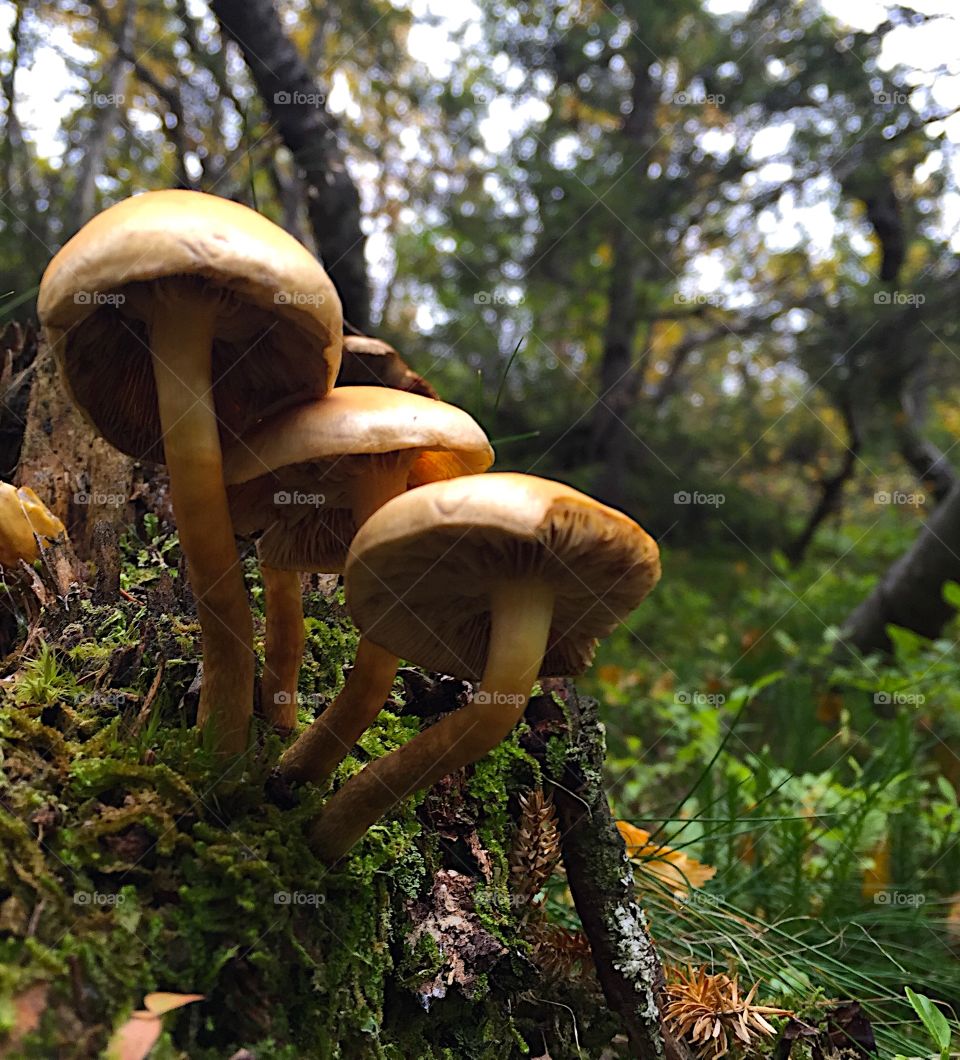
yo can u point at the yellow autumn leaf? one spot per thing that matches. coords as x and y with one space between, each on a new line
610 674
163 1001
876 877
677 870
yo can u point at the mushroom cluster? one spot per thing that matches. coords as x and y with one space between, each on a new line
191 330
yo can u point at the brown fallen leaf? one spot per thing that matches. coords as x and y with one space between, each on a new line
134 1039
28 1007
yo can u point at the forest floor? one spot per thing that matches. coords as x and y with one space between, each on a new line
145 893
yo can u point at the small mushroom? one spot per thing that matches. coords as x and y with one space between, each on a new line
501 577
24 518
306 479
373 362
178 319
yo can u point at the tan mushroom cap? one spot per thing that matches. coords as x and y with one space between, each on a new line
311 457
420 568
22 516
373 362
279 327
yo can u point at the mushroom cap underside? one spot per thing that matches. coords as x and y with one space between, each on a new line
278 330
292 477
420 569
359 421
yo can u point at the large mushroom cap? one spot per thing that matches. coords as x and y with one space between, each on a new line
419 570
279 325
291 475
23 516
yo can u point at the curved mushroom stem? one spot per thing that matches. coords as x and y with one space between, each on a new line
319 750
283 650
182 342
521 612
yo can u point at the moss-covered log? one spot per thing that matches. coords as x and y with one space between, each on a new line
130 864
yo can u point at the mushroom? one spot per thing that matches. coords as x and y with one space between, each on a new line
178 319
373 362
307 478
502 577
24 518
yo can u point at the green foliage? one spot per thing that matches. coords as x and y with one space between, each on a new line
933 1020
827 801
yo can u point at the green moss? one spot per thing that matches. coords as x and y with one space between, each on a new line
129 863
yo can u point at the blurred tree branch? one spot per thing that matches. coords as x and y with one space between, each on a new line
168 89
83 201
910 594
931 465
297 106
831 486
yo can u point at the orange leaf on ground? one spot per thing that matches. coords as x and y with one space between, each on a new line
134 1039
162 1002
677 870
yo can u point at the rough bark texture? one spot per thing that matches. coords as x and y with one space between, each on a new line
18 353
598 872
295 103
82 479
910 593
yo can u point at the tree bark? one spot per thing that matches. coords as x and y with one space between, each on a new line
910 593
598 872
296 104
83 480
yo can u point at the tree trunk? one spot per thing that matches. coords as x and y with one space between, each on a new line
910 593
611 434
83 200
598 873
296 105
612 437
83 480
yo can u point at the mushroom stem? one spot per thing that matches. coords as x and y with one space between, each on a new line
321 748
385 479
283 650
318 751
520 612
181 338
